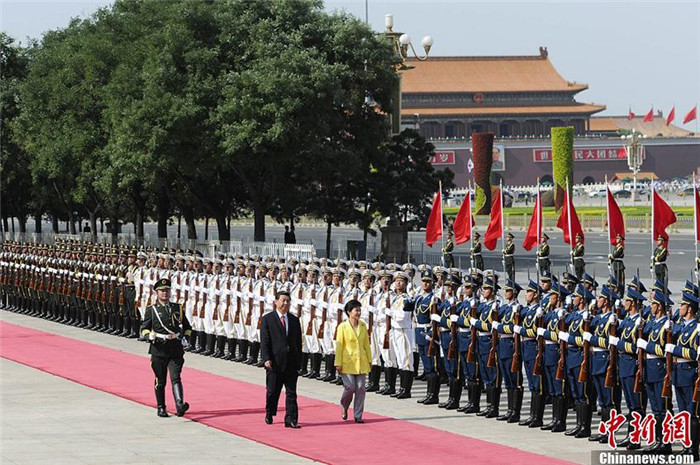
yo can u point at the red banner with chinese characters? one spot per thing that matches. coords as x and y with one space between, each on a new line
443 157
583 154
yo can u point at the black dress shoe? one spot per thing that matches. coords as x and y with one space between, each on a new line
344 413
292 425
162 412
268 419
359 420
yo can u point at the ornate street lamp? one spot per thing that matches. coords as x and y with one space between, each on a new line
635 157
401 44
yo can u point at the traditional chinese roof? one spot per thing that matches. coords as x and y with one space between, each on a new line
486 74
623 123
579 109
629 176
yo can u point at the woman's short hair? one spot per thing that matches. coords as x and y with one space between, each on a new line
352 305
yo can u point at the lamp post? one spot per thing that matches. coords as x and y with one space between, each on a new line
635 158
401 43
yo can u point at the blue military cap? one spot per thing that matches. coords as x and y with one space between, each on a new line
546 276
490 283
659 297
427 275
638 284
452 280
533 286
513 286
690 287
570 278
690 299
579 291
613 282
563 291
605 292
587 278
659 286
633 294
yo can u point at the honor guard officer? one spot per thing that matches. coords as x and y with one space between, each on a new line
509 256
470 372
506 349
577 257
550 333
447 257
528 334
476 258
543 262
626 345
421 309
655 369
616 260
167 329
658 260
448 317
487 312
685 367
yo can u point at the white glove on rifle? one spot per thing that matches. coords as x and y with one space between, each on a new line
538 312
669 348
642 344
563 336
587 336
495 325
472 321
540 332
435 317
612 341
517 328
454 318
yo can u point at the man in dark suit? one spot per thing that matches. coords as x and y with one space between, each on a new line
280 344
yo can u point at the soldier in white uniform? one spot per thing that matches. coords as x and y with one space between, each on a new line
310 321
323 317
402 336
260 286
368 298
383 334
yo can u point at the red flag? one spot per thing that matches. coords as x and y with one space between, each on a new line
671 116
663 217
534 231
649 117
630 115
433 230
495 228
464 221
616 222
692 114
697 212
568 220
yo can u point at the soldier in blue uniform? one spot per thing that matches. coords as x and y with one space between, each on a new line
476 257
598 338
655 369
506 349
555 311
527 330
167 328
470 373
447 319
626 345
582 392
685 367
421 308
486 312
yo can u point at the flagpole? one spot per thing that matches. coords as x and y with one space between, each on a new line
442 226
651 266
569 203
607 203
695 220
503 231
539 232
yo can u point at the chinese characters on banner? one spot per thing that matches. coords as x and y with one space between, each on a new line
675 428
584 154
443 157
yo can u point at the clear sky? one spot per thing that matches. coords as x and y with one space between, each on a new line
629 53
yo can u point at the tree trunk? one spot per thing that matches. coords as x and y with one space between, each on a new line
71 220
93 226
37 223
5 226
139 226
259 214
189 221
22 220
206 228
54 223
222 227
115 227
163 210
328 239
179 227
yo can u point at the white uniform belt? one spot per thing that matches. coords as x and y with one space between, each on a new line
683 360
507 254
423 326
442 330
525 338
166 336
549 342
598 349
660 263
484 333
464 330
505 336
653 356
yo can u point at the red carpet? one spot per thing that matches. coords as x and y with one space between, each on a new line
237 407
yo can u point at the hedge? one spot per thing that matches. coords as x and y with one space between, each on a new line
562 161
482 154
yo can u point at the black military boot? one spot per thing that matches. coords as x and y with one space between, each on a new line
209 340
563 414
529 419
539 411
656 446
330 372
220 347
230 348
604 416
579 421
243 352
304 364
160 400
180 403
406 394
450 399
469 403
254 352
433 389
391 381
416 362
517 405
509 412
428 389
402 384
456 395
495 402
586 415
315 372
626 442
474 405
694 437
489 402
135 328
374 373
118 325
555 414
126 326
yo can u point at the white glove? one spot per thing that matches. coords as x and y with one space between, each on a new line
563 336
584 315
434 317
538 312
454 318
652 257
185 342
428 338
669 348
540 331
667 325
612 340
587 336
151 336
517 328
472 321
642 344
560 313
638 322
613 318
495 325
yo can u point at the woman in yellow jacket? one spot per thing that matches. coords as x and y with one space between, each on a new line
352 359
